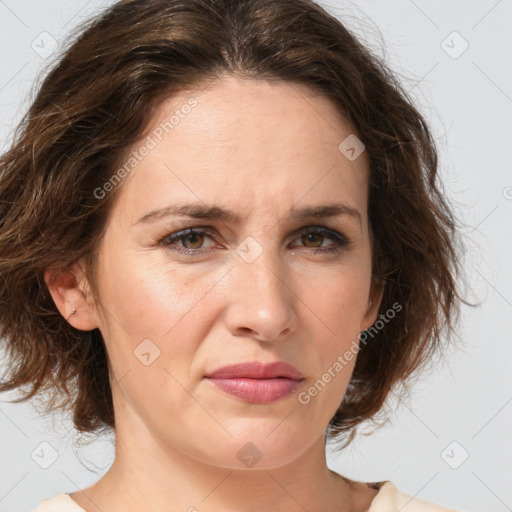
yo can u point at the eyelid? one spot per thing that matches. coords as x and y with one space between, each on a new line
212 231
341 242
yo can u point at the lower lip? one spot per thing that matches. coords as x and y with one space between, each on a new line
257 391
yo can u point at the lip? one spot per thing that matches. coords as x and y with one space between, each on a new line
257 370
256 382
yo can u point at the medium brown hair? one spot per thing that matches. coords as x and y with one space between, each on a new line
95 103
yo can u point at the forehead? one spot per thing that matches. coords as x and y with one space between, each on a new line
231 108
246 141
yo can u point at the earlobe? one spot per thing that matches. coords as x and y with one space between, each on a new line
69 290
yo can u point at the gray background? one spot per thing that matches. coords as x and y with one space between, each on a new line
451 441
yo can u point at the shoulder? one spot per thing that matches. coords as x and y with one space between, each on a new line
387 499
60 503
390 499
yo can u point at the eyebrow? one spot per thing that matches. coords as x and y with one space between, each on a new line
213 212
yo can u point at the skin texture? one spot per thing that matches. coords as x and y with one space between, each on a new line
259 148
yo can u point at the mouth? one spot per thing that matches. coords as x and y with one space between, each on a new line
256 382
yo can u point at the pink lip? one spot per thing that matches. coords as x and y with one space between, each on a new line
256 382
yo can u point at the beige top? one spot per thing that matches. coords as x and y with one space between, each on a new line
388 499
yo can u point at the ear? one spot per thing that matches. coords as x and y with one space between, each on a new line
70 291
376 294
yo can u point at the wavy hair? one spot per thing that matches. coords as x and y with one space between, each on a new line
95 102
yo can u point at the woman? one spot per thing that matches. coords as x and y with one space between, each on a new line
222 238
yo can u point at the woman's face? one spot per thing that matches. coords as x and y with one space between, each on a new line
256 289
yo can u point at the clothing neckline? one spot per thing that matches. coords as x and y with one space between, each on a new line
380 486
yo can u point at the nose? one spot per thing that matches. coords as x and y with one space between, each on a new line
262 301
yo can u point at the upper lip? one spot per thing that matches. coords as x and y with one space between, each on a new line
257 370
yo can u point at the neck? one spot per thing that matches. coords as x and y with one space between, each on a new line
148 474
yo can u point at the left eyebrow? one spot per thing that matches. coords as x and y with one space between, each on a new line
213 212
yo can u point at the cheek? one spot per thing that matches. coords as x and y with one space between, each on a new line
340 299
152 324
333 356
336 312
147 296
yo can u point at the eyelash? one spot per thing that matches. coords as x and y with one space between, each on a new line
341 243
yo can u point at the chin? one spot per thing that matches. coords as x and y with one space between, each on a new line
258 447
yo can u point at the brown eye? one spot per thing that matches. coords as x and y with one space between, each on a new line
192 240
189 241
312 239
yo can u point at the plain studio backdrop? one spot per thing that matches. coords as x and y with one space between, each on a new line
451 442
